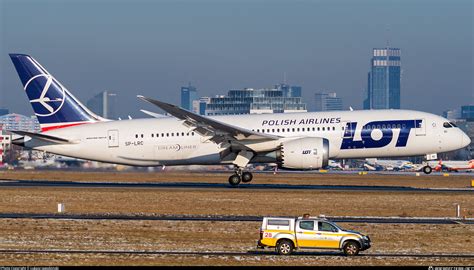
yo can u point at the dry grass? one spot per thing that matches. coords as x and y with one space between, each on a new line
316 178
216 236
233 202
226 236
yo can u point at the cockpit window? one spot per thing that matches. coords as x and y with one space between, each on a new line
452 124
447 125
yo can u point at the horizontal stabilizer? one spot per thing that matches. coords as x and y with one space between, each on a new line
41 137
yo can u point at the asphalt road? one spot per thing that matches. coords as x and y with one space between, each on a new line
346 219
226 253
193 185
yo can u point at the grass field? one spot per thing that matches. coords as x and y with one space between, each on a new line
393 244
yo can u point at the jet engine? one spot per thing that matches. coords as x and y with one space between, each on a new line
305 153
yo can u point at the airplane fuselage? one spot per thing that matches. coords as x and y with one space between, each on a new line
166 141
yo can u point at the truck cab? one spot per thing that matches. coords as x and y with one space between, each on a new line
289 234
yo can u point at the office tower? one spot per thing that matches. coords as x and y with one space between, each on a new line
467 112
188 95
383 85
327 102
289 90
3 111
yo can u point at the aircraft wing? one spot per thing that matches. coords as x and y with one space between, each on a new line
217 131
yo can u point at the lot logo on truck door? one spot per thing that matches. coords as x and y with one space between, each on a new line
385 127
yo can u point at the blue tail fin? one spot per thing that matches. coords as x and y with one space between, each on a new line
52 103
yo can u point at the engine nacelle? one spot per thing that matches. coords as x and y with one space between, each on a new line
305 153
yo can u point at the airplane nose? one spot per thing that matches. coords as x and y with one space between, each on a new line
465 141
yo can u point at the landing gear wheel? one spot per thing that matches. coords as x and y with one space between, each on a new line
427 169
284 247
247 177
351 248
234 180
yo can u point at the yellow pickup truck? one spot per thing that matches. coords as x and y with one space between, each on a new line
289 234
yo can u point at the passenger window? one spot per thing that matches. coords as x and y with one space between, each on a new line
278 130
307 225
334 128
326 227
142 135
314 129
162 134
182 134
136 136
324 129
152 135
192 133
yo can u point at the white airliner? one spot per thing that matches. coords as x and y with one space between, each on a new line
299 141
388 164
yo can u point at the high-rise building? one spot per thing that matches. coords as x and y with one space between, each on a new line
248 101
452 114
188 95
327 102
467 112
289 90
383 86
3 111
199 106
104 104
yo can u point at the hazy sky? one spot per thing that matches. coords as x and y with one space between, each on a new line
154 47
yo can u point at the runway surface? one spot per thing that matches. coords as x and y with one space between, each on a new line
72 184
345 219
228 253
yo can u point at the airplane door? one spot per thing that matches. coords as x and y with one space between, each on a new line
113 138
420 127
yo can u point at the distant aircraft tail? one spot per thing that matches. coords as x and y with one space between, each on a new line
52 103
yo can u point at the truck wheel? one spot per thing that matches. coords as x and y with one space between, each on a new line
351 248
284 247
427 169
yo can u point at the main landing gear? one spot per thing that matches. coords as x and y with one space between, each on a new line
240 176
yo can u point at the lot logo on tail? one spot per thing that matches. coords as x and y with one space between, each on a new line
51 98
378 134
